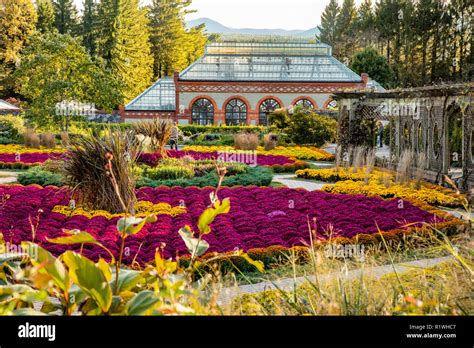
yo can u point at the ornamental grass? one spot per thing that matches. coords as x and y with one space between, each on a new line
85 170
158 131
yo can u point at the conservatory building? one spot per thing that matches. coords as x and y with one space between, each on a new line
237 83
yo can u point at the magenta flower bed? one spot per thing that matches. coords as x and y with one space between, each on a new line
152 159
259 218
29 157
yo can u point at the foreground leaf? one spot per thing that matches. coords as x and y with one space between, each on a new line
208 216
47 264
132 225
141 303
90 278
195 247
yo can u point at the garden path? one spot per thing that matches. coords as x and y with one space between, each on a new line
7 177
228 294
289 180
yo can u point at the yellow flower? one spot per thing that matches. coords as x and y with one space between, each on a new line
15 148
299 152
142 208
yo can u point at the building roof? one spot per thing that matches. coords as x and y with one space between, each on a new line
269 61
247 62
161 96
4 106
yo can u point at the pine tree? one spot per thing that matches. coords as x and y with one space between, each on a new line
89 26
168 36
124 44
345 30
18 21
65 14
45 10
365 23
328 23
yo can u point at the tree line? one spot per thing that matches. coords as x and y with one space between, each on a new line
107 54
422 41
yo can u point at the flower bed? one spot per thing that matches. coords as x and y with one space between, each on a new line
260 220
263 160
310 153
26 159
331 175
14 148
431 194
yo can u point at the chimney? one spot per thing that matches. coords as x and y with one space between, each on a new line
365 79
122 112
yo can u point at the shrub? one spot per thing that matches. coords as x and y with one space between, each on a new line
48 140
8 141
54 166
246 141
11 127
39 176
31 139
310 128
163 172
85 169
270 141
279 118
260 176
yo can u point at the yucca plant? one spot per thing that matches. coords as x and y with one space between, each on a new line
86 170
158 130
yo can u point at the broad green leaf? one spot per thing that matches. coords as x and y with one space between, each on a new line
21 292
75 237
141 303
132 225
208 216
89 278
127 280
47 264
79 237
105 267
192 243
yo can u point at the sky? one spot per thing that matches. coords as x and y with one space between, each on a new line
258 14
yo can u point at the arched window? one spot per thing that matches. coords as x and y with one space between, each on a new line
202 112
235 113
267 107
305 103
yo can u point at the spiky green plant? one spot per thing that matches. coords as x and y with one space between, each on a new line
158 130
87 172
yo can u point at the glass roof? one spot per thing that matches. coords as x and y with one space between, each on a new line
257 61
160 96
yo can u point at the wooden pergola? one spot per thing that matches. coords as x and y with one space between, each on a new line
422 120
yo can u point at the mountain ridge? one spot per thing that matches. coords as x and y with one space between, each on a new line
214 27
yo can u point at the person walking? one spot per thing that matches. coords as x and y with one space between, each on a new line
380 124
174 136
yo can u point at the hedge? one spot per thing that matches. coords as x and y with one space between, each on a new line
259 176
186 129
